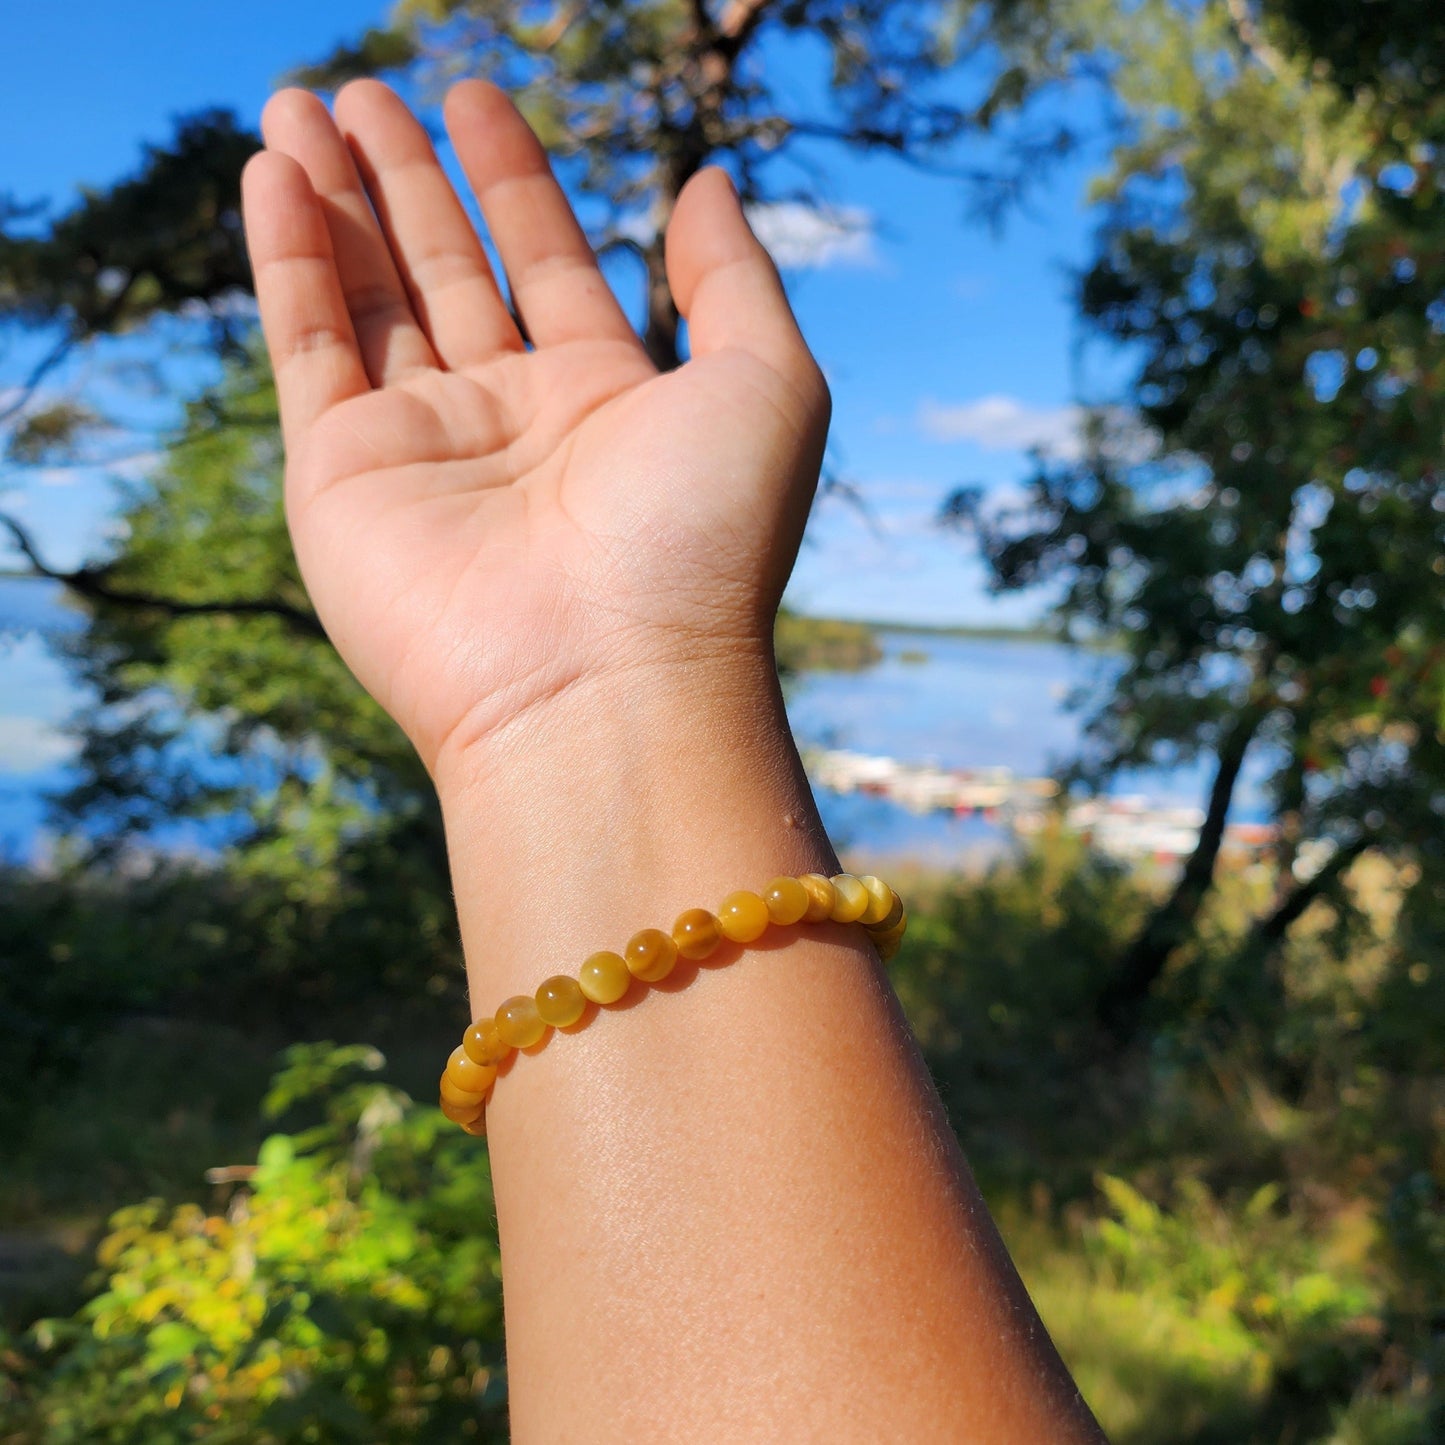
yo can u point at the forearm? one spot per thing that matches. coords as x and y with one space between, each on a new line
730 1207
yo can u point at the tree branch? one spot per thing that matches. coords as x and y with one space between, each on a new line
90 582
1270 931
1169 925
38 373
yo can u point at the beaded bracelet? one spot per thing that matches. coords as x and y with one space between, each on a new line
743 917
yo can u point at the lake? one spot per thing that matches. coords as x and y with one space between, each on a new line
960 702
972 703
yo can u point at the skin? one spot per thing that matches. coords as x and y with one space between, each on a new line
730 1207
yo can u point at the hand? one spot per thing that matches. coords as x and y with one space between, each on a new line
484 528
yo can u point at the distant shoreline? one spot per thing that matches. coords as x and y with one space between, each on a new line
972 631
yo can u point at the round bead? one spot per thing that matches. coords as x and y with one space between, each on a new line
477 1127
890 942
484 1044
451 1094
743 916
560 1001
852 899
787 901
650 955
519 1023
461 1113
604 977
821 897
890 920
696 933
466 1073
880 900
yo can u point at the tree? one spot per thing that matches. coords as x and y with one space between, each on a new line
1272 263
640 94
217 696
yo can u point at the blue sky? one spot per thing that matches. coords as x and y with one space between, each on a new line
948 347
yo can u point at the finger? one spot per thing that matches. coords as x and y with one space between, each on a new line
556 286
440 259
392 343
725 283
313 349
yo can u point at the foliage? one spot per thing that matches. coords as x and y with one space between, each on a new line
1233 1229
169 235
826 644
639 94
1267 1258
351 1287
1269 548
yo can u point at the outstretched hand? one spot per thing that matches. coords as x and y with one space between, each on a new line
483 526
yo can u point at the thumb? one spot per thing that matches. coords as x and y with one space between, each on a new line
725 283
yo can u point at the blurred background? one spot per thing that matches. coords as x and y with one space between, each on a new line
1118 640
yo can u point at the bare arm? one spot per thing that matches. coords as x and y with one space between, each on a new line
730 1207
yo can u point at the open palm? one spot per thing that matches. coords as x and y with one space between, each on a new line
483 526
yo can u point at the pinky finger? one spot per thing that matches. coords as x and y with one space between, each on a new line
308 330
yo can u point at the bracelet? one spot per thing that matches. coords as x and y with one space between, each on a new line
743 917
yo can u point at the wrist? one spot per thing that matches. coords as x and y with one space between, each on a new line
623 800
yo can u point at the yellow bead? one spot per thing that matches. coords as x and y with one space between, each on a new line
461 1113
890 920
477 1127
880 900
743 916
462 1098
696 933
458 1096
821 897
787 901
519 1023
484 1044
890 942
650 955
852 899
604 977
560 1001
466 1073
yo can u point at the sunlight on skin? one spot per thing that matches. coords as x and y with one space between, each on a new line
735 1208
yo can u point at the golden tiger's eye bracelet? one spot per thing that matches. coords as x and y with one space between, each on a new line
742 917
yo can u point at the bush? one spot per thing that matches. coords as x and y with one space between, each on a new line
350 1292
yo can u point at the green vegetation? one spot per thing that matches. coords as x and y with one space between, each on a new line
1209 1117
1232 1226
822 644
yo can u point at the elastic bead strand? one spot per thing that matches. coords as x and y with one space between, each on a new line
466 1085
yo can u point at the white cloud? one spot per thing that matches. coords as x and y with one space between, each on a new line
1006 424
28 744
801 236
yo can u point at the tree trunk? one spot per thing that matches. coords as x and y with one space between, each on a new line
660 334
1169 925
